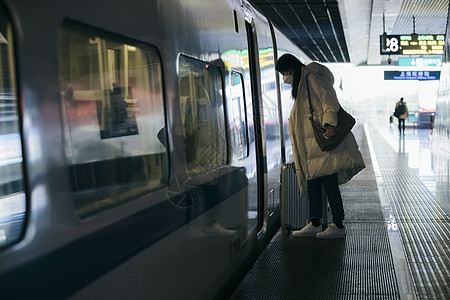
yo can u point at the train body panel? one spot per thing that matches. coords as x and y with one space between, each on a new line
150 139
202 258
440 137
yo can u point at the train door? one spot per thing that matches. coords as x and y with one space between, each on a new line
270 118
256 106
266 108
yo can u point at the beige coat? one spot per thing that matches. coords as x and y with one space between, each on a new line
310 161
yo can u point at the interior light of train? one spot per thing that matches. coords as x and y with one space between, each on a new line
408 44
238 58
232 59
412 75
266 57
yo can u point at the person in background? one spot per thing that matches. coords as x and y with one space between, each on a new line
316 168
119 111
401 112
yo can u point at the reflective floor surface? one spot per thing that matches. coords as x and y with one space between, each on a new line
407 189
413 148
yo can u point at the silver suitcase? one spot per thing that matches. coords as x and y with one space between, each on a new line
294 207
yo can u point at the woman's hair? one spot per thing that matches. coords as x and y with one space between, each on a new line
288 62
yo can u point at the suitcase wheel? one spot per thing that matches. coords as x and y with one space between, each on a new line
286 229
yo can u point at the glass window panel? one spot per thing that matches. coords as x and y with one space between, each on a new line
202 115
12 195
237 117
113 112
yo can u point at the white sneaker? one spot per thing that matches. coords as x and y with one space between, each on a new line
332 232
308 231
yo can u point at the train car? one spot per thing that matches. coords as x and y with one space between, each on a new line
440 132
140 148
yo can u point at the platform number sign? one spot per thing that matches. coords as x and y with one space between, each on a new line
390 44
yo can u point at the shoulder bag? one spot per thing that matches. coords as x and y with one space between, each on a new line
345 124
399 110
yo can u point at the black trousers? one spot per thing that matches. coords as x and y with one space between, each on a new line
401 125
333 193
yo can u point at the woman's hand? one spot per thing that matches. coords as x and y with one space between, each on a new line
330 130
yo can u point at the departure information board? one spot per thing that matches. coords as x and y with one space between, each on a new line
410 44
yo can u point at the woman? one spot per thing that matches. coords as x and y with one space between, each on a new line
316 168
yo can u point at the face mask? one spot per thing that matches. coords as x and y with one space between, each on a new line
288 79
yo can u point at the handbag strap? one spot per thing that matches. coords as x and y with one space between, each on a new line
311 108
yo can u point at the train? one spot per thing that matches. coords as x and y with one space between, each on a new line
140 148
439 139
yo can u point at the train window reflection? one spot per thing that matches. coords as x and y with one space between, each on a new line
12 196
202 115
113 112
237 117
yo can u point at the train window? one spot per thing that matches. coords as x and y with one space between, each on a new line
12 195
202 115
113 112
237 117
286 104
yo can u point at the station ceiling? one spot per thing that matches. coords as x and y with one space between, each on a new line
343 31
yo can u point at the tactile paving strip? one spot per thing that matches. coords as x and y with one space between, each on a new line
358 267
423 225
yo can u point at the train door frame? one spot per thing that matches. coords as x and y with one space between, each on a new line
255 78
280 105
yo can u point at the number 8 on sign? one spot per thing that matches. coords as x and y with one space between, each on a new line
392 45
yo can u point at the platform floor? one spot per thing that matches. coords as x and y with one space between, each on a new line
397 235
